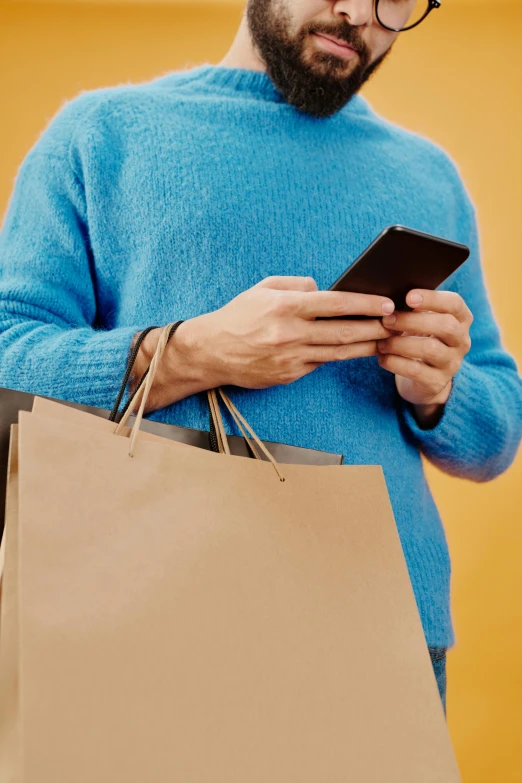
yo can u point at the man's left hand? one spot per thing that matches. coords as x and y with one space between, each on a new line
428 351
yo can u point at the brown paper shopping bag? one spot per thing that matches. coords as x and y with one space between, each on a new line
187 616
9 649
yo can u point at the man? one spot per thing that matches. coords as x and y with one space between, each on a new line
227 196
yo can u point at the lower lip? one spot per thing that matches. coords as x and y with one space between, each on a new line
341 51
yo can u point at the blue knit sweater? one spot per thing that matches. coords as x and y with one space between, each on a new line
145 203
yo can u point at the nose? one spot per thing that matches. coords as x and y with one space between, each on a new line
355 12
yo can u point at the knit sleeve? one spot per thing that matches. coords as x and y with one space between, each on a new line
49 340
479 432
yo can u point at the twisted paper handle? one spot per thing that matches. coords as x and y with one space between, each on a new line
143 393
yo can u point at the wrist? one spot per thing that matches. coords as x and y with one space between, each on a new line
429 414
180 373
189 352
443 396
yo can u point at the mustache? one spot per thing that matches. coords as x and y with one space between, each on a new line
349 35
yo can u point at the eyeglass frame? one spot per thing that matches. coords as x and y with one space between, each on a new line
432 4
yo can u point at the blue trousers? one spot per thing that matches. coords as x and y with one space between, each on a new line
438 660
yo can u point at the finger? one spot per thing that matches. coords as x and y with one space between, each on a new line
443 325
441 302
320 354
415 371
288 283
344 332
430 350
328 304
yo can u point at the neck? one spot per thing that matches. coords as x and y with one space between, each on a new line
242 53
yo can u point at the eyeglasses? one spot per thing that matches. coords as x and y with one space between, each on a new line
400 15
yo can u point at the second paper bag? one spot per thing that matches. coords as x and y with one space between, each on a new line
186 616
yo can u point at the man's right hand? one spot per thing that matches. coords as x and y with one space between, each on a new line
265 337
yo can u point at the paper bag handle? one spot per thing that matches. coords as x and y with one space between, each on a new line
215 442
142 394
218 443
130 367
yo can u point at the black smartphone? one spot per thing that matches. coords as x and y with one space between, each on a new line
397 261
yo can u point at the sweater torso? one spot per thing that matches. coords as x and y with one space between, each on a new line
201 183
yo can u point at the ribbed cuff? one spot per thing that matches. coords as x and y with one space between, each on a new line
464 429
79 365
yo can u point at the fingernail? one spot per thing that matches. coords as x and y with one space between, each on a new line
415 299
388 307
388 320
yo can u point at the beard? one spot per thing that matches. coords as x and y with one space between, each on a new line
319 88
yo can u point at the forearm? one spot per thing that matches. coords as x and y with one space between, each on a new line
78 364
87 366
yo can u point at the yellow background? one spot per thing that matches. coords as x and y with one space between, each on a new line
456 79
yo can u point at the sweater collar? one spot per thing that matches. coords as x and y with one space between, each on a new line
256 84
